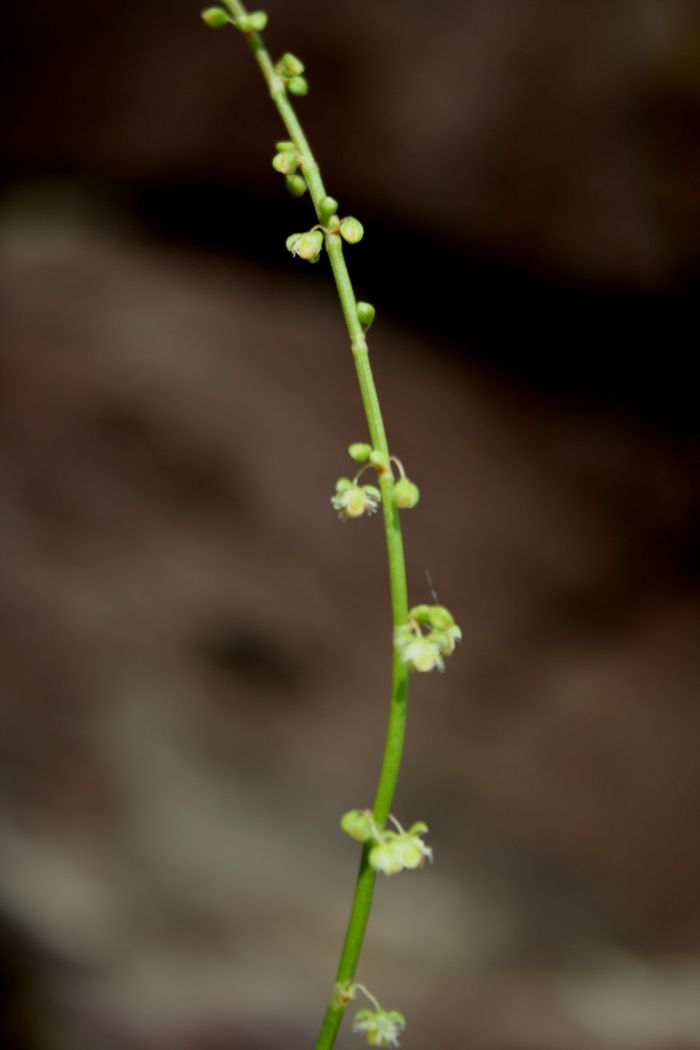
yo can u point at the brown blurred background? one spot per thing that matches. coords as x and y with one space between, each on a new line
193 650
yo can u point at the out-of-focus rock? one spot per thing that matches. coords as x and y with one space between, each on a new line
553 133
194 664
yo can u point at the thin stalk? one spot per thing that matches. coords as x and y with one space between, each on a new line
396 726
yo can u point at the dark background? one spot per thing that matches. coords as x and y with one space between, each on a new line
194 651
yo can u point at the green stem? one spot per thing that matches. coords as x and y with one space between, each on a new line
396 727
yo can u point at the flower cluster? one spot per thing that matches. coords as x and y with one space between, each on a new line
352 500
391 851
289 69
430 635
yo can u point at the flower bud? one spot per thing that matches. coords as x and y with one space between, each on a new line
286 162
365 314
327 206
352 230
289 65
379 459
296 184
405 494
298 86
216 17
284 144
358 824
360 451
257 20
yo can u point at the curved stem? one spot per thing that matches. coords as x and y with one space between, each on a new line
396 726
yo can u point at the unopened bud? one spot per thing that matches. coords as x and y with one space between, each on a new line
289 65
296 184
327 206
257 20
286 162
405 494
216 17
352 230
360 451
365 314
298 86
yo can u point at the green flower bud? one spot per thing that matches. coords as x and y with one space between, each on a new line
405 494
289 65
296 184
352 230
358 824
284 144
327 206
216 18
365 314
379 459
257 20
298 86
360 451
286 162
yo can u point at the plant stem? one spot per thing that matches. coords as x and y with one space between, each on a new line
396 726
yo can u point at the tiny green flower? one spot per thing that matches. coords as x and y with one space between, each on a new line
296 185
405 494
352 230
381 1027
424 650
396 851
418 650
360 451
358 824
286 161
411 849
327 207
298 86
306 245
257 20
352 500
384 857
379 460
365 314
216 17
289 65
447 639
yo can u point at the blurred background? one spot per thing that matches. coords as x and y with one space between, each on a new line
194 666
